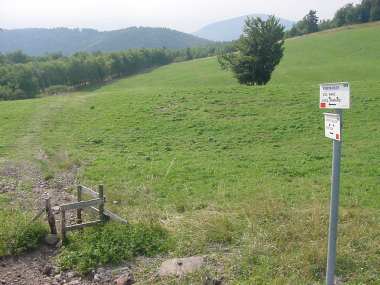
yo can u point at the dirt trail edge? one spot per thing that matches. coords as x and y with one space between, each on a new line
24 184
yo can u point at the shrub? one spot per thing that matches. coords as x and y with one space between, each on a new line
17 234
112 244
221 230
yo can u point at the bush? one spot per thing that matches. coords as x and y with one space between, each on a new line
259 51
112 244
17 234
5 93
221 230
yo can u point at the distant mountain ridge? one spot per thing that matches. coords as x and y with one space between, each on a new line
39 41
231 29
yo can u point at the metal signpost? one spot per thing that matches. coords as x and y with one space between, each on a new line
334 96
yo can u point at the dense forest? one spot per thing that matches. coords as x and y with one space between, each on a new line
38 42
364 12
23 76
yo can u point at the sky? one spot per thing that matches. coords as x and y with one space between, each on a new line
187 16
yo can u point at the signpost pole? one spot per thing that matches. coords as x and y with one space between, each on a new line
334 208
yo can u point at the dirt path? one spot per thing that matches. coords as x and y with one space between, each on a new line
24 184
22 181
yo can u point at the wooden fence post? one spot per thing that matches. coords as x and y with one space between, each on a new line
101 205
50 216
79 211
63 224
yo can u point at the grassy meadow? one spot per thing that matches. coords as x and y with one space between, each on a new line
239 173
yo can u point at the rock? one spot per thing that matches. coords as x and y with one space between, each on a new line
213 281
181 266
51 239
3 282
56 209
74 282
101 271
125 279
58 277
47 270
97 277
71 274
119 270
102 276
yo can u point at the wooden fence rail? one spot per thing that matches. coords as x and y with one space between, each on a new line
87 191
108 214
96 205
79 206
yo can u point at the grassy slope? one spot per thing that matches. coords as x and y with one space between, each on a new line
219 162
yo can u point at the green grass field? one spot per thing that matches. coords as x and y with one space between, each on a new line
239 173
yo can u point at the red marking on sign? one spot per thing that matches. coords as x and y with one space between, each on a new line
323 105
337 136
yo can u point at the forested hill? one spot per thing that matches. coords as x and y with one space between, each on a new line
68 41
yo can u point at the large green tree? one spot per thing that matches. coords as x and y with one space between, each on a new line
375 10
311 21
308 24
258 51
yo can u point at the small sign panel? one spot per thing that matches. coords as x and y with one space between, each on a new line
335 96
333 126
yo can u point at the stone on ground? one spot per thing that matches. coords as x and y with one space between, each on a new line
125 279
181 266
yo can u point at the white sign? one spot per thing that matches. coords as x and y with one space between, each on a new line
335 96
332 126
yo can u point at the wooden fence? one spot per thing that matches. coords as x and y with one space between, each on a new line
79 206
96 205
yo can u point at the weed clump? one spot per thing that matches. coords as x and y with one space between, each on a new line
17 234
221 230
112 244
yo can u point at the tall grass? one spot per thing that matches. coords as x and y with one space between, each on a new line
17 233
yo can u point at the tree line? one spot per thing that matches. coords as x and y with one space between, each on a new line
364 12
23 76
